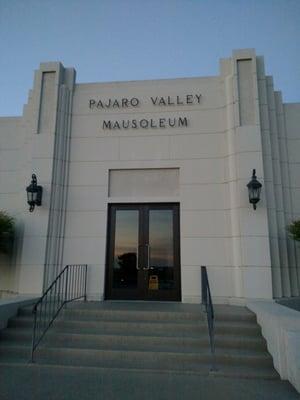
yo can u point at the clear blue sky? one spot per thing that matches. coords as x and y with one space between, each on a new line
115 40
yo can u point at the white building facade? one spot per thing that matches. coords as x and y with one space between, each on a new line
145 181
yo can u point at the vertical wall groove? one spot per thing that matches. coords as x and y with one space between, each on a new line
278 190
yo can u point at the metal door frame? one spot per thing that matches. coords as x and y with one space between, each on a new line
142 293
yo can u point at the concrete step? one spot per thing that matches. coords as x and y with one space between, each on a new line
131 311
81 314
142 336
135 342
145 328
122 315
137 359
143 340
223 371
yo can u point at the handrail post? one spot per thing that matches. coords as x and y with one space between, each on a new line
204 283
33 336
85 282
66 288
52 301
208 309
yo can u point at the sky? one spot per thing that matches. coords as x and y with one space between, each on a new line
117 40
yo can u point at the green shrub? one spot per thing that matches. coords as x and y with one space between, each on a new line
294 230
7 229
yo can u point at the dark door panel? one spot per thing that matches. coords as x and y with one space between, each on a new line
143 252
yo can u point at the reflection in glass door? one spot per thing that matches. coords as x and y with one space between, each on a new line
125 252
161 249
143 252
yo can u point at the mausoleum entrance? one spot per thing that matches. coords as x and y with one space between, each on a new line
143 252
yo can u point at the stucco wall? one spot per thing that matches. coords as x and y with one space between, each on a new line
12 157
249 228
215 155
198 150
292 118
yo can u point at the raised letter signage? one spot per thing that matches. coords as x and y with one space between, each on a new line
145 123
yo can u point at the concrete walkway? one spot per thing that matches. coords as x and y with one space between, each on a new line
58 383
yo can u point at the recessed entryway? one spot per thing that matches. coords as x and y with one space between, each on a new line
143 256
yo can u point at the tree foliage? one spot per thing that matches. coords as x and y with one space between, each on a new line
7 228
294 230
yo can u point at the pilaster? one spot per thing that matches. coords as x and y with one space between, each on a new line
250 232
47 121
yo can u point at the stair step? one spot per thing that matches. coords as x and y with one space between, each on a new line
136 359
128 311
145 328
133 336
136 342
123 315
223 371
132 316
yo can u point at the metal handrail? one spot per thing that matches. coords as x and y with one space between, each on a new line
209 310
68 286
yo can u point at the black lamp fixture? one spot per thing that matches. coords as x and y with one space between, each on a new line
254 188
34 193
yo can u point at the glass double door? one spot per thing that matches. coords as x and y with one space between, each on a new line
143 252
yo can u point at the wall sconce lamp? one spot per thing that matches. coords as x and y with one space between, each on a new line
254 188
34 193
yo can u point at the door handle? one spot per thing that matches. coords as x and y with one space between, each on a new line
148 258
137 259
